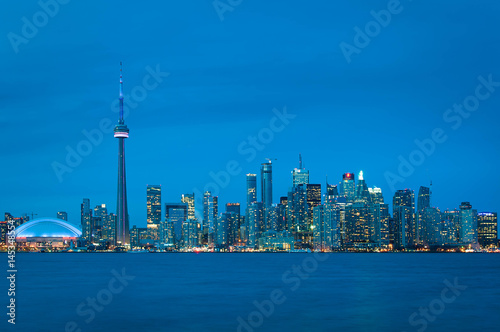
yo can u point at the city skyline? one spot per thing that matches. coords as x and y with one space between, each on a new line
349 117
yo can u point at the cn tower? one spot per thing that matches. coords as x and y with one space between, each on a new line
121 132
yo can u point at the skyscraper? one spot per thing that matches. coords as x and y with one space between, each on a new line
153 210
86 220
208 216
487 224
266 173
251 189
403 205
376 195
468 224
189 200
121 132
362 194
423 202
348 187
300 175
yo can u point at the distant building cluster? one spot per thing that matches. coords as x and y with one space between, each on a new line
349 216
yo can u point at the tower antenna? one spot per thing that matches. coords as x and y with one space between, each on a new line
300 161
121 94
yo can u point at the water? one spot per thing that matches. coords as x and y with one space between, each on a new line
210 292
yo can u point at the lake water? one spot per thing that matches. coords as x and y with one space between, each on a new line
256 292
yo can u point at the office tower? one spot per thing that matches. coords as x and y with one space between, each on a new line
272 218
226 225
190 233
487 229
109 232
208 217
235 235
432 226
298 211
251 189
468 224
331 189
423 202
403 205
86 221
347 187
255 223
189 200
153 210
139 237
318 228
121 132
376 195
266 173
362 194
380 213
451 226
216 207
175 215
359 224
300 175
333 219
62 215
98 220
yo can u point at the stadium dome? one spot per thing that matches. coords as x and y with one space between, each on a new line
47 228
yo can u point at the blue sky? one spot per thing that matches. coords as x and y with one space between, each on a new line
225 78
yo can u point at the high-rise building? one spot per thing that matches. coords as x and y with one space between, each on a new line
432 226
298 212
98 221
208 217
266 173
331 190
376 195
256 224
487 229
468 224
235 228
403 205
153 210
189 200
121 132
359 224
175 215
423 202
251 189
300 175
380 213
190 233
362 194
109 231
348 187
62 215
86 220
451 226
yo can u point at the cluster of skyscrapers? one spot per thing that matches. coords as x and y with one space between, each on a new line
344 216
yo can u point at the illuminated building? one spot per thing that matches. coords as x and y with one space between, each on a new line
432 226
47 232
86 221
256 223
208 216
403 205
272 240
153 210
62 215
468 224
362 194
235 234
175 215
487 229
189 200
347 187
266 173
300 175
423 202
376 195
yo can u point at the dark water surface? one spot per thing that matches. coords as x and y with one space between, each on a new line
256 292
